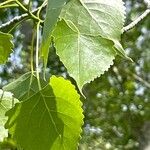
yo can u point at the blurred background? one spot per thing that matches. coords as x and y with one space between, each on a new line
117 108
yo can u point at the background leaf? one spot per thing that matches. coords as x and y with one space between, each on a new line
5 47
24 87
53 12
50 119
6 103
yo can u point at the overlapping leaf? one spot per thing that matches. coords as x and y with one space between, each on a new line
83 39
5 47
98 17
25 86
53 12
49 120
6 102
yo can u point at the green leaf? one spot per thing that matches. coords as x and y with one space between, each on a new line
49 120
5 47
53 12
24 87
6 102
85 56
97 17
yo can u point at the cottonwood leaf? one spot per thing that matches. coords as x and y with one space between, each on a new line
52 14
25 86
49 120
85 56
6 102
5 47
98 17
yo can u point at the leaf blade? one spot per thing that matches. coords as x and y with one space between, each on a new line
49 114
25 86
53 12
5 47
86 57
98 17
5 105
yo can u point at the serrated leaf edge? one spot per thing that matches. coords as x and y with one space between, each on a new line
94 77
79 102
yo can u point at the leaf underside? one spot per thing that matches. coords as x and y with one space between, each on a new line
51 119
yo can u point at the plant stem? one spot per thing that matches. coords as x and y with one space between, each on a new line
29 12
1 98
20 18
32 51
40 8
7 2
25 9
8 6
13 99
139 19
37 56
29 5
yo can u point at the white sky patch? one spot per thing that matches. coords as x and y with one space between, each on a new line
26 1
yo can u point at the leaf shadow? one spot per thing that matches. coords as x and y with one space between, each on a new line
35 124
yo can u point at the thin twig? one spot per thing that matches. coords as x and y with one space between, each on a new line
21 6
141 80
139 19
138 78
19 18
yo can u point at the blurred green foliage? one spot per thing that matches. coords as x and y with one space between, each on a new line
117 108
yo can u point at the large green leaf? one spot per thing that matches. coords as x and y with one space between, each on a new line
53 12
24 87
5 47
49 120
6 102
85 56
98 17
